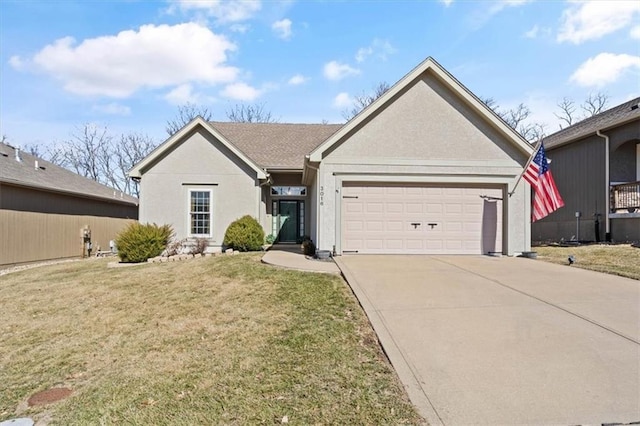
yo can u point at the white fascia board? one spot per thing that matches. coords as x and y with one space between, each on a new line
428 64
137 170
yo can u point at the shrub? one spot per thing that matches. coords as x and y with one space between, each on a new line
244 234
200 246
270 239
137 242
308 247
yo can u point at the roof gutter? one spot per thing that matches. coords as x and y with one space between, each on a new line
607 198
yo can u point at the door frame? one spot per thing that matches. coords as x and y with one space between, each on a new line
299 218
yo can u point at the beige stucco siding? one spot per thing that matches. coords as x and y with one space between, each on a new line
425 135
427 121
200 162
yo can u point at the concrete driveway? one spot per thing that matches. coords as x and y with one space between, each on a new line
484 340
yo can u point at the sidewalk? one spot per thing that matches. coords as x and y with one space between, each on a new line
289 256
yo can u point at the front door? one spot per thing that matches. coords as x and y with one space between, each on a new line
288 221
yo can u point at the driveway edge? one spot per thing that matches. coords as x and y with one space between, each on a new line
396 357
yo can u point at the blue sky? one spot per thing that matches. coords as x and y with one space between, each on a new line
128 64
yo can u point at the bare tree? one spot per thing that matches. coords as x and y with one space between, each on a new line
93 153
518 119
595 103
364 99
127 152
86 152
242 113
186 113
567 111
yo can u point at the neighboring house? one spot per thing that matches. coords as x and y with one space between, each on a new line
44 210
426 168
596 166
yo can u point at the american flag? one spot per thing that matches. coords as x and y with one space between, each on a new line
546 198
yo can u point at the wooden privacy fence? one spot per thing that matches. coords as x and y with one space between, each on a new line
30 237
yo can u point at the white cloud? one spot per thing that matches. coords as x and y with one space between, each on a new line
16 62
380 48
605 68
297 80
342 100
635 32
183 94
592 20
224 11
241 92
336 71
488 9
447 3
533 32
152 57
112 109
282 29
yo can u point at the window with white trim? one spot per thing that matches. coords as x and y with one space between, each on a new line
200 213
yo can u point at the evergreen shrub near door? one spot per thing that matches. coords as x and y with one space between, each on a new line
137 242
244 234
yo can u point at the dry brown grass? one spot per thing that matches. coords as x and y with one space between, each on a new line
621 259
209 341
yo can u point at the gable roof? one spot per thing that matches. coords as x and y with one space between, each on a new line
447 79
613 117
137 170
276 145
49 177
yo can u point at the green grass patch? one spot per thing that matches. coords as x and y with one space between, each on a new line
223 340
619 259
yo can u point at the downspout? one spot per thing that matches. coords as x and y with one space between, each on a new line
607 199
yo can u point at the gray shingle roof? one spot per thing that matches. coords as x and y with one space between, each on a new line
619 114
276 145
53 178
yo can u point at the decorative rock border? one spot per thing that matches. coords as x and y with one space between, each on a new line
180 257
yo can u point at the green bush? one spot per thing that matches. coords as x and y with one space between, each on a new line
244 234
137 242
270 239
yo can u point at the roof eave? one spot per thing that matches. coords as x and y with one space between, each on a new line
138 170
575 138
67 192
428 64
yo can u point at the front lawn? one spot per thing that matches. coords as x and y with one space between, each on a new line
620 259
223 340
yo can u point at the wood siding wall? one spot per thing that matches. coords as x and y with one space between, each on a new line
29 237
34 200
579 172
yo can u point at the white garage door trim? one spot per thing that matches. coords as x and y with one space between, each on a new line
410 218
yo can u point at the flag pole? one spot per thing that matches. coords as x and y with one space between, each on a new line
526 166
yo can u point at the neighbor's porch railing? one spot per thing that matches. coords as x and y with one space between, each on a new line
625 196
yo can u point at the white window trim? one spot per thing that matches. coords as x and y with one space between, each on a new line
210 191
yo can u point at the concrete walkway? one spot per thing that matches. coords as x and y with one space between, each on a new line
289 256
505 341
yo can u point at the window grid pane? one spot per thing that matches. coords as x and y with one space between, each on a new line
200 213
301 231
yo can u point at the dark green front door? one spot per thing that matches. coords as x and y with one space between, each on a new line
288 221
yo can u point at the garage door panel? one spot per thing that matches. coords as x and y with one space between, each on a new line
381 219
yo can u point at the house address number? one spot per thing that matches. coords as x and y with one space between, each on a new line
322 195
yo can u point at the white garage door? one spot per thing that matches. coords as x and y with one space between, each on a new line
420 219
